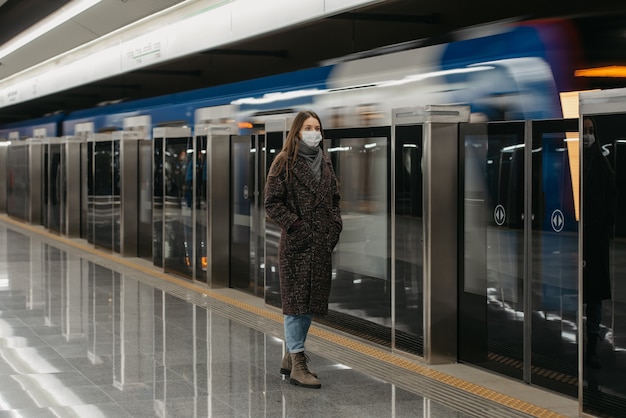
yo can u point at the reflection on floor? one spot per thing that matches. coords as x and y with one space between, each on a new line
86 335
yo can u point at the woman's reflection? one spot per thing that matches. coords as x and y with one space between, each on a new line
599 198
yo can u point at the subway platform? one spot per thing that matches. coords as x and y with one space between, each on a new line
86 333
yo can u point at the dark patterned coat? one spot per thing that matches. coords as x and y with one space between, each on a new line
304 252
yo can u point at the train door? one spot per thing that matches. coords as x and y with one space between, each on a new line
603 243
517 287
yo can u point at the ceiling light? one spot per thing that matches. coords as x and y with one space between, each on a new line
45 25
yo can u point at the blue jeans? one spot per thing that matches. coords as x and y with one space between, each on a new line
296 330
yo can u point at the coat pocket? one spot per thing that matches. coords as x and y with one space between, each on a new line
298 239
332 238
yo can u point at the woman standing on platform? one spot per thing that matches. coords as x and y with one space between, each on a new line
599 211
302 197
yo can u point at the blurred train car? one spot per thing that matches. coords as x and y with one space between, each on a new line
504 72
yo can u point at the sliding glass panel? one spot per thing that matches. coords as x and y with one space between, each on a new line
360 300
18 190
178 229
157 202
491 297
554 262
274 143
103 194
116 201
201 208
242 192
409 248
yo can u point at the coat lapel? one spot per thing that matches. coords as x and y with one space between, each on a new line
303 172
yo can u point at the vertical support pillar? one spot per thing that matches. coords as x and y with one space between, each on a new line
440 224
441 280
129 191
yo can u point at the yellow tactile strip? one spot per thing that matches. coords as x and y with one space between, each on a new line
363 349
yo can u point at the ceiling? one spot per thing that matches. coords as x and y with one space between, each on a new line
388 23
29 15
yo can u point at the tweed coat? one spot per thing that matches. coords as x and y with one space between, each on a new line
304 252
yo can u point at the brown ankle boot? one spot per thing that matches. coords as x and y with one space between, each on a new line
285 366
300 374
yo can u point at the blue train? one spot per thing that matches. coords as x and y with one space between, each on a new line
504 72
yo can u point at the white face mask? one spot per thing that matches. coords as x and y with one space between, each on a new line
311 138
588 140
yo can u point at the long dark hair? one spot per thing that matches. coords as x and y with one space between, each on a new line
290 148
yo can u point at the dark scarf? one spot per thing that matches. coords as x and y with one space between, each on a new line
313 156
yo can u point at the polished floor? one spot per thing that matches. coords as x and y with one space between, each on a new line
85 333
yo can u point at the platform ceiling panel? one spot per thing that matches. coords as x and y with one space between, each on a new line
145 43
101 19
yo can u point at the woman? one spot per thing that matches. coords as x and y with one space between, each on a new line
302 197
599 199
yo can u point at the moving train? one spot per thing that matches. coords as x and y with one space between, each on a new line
503 71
